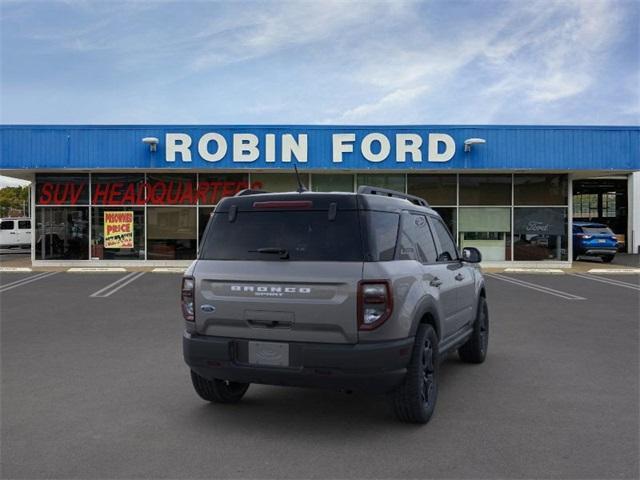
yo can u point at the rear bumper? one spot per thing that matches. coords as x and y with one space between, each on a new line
371 367
599 251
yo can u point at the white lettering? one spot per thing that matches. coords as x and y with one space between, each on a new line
177 143
299 148
245 147
270 146
203 147
367 151
435 139
339 147
408 143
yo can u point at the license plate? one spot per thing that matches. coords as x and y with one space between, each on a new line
269 353
602 241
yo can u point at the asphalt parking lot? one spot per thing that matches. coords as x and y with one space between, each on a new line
94 386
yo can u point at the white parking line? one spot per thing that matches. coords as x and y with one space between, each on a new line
614 270
24 281
117 285
609 281
535 286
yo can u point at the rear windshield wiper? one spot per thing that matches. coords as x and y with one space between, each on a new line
284 254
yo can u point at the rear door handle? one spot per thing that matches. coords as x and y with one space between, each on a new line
459 277
436 282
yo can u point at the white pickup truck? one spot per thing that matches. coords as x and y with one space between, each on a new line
15 232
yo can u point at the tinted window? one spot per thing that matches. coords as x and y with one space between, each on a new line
117 189
447 247
435 189
62 189
6 225
24 224
540 189
415 242
383 228
304 236
485 189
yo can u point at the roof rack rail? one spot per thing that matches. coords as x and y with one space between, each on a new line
385 192
249 191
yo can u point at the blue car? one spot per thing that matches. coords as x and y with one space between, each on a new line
594 239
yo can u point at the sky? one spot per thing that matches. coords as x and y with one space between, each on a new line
320 62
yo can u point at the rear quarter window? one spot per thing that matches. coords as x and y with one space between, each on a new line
383 234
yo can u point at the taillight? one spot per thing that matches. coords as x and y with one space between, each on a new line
186 298
375 303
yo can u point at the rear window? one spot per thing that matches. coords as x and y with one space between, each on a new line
597 230
284 235
6 225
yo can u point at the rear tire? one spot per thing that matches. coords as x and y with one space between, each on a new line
475 349
414 401
607 258
218 391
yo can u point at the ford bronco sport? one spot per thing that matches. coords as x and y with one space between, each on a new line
353 291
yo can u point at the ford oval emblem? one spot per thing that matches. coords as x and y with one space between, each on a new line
208 308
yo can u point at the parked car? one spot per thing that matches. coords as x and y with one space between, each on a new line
594 239
352 291
15 232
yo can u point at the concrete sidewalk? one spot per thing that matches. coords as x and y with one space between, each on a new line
18 258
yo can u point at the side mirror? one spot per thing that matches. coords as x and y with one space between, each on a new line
471 255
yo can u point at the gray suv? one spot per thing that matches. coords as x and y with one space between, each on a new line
353 291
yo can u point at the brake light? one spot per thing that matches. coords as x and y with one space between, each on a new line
186 298
284 204
375 303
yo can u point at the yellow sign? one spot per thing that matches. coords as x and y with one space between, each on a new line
118 229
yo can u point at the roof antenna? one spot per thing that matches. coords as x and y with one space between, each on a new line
301 187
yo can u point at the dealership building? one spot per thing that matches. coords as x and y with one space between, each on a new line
142 194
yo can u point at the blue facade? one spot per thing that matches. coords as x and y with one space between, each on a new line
548 148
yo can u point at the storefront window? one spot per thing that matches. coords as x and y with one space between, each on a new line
332 183
117 189
171 233
204 216
391 181
487 229
279 182
171 189
213 188
62 189
435 189
62 233
540 233
449 217
123 230
540 189
485 189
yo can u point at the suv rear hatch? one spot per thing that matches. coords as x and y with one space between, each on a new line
281 267
598 236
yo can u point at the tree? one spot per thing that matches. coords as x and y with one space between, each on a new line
14 201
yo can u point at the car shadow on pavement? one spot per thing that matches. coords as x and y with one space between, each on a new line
312 411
